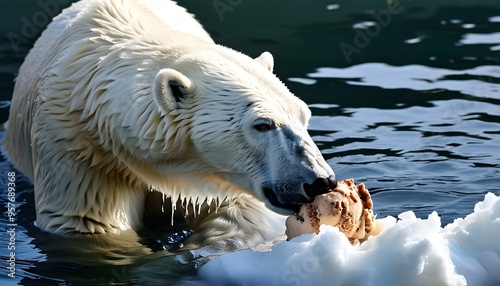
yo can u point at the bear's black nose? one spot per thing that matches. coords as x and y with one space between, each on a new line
320 186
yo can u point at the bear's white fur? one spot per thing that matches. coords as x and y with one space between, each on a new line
122 99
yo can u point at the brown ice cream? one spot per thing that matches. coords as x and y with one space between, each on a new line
348 207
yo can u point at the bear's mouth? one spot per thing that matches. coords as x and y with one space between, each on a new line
273 199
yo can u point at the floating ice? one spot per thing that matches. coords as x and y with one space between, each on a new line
409 251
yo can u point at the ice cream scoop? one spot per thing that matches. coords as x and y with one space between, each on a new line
348 207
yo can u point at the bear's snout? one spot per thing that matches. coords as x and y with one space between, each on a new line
292 204
320 186
284 201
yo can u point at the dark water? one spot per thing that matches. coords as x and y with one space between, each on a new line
405 98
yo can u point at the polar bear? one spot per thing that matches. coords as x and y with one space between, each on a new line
122 100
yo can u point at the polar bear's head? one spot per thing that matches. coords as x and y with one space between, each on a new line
242 125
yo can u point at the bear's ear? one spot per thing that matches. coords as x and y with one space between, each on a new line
267 60
169 88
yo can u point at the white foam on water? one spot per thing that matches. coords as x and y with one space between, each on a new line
409 251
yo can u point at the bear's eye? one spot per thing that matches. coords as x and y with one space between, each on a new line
262 127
